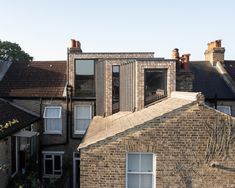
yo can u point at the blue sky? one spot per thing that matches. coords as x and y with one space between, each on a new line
43 28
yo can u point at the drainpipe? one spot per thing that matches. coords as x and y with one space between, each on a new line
40 142
215 101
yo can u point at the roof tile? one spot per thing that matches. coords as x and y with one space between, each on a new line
34 79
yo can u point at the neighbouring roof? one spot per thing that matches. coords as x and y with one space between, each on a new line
230 68
102 128
209 81
34 79
9 112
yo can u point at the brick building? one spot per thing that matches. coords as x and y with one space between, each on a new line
173 143
113 86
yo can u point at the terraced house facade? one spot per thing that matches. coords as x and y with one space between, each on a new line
141 124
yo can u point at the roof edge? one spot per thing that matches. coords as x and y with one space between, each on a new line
20 108
162 118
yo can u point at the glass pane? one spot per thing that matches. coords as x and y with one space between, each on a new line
155 85
133 162
85 85
146 181
57 162
115 88
48 156
48 167
84 67
146 163
81 125
52 124
57 172
225 109
52 112
83 112
133 181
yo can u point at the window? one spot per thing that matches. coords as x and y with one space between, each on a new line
225 109
115 88
140 170
52 120
155 86
52 163
84 78
82 118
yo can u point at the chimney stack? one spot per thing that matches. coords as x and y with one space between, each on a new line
214 52
76 45
185 62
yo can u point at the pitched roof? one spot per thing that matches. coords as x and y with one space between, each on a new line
34 79
102 128
230 68
9 113
209 81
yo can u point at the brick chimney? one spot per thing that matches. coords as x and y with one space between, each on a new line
185 62
214 52
184 78
75 45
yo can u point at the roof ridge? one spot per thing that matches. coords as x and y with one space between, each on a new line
94 139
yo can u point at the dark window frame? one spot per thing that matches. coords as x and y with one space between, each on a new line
93 93
114 99
160 96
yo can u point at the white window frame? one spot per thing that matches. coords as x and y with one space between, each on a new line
45 125
75 112
224 106
153 172
53 154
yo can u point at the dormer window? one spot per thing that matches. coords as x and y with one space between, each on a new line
155 85
84 78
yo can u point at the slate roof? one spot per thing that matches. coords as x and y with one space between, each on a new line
34 79
209 81
102 128
8 112
230 68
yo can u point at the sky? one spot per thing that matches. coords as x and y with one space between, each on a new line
43 28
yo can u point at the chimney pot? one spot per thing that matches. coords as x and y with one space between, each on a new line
175 54
73 43
185 62
215 52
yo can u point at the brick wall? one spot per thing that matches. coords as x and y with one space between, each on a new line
181 142
184 81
